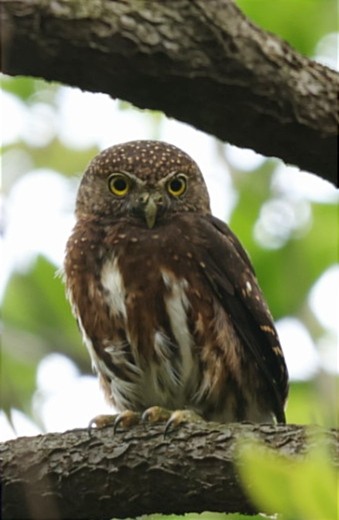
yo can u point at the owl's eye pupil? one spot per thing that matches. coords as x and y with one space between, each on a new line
177 186
118 185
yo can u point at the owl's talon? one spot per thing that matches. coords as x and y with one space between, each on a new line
155 414
126 419
179 417
101 421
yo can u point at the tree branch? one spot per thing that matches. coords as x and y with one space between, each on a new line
100 476
200 62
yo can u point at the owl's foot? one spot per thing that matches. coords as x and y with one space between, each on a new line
126 419
179 417
101 421
153 415
173 418
156 414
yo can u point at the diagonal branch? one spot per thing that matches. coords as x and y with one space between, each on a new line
75 475
200 62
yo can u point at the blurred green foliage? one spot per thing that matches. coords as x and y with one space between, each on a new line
301 489
38 321
206 515
300 22
288 260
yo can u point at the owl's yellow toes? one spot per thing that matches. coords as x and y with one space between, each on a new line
179 417
152 415
126 419
101 421
156 414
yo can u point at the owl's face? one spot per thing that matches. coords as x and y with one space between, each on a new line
143 181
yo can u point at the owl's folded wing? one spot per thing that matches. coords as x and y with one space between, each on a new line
230 273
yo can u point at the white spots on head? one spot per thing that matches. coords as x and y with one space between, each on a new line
147 159
248 287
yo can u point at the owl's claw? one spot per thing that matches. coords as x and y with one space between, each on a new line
152 415
101 421
173 418
126 419
179 417
156 414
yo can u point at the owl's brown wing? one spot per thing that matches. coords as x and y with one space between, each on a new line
231 275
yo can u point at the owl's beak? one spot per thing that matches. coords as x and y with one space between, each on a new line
149 205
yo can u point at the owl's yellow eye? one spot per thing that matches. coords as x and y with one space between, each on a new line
119 184
177 186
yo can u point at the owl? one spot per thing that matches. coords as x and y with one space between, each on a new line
165 296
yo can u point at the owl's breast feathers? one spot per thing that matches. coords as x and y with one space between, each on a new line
174 316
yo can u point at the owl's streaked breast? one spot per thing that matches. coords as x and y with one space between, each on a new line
155 335
159 344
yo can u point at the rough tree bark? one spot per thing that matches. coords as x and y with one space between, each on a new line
200 62
100 476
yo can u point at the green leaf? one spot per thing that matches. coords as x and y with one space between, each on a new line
18 378
300 406
35 303
300 489
206 515
22 87
300 22
29 89
37 321
278 270
56 155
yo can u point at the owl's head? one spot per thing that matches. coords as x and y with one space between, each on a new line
144 181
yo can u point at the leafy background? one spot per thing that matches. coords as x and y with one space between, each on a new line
285 218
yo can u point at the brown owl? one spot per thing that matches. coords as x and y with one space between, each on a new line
165 296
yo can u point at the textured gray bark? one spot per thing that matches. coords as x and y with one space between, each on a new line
75 475
199 61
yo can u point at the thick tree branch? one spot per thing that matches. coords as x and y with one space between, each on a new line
75 475
200 62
